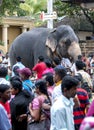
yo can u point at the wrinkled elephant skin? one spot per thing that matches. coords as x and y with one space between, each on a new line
61 42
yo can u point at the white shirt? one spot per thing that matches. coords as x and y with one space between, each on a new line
4 81
56 93
20 65
62 114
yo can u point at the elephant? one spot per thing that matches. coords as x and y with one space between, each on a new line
61 42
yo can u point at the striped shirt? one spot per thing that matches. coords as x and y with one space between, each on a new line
79 112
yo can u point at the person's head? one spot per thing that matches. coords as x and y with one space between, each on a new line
80 65
48 63
16 85
41 86
56 61
79 78
59 73
15 70
5 92
69 86
79 57
3 72
40 59
49 79
18 59
24 73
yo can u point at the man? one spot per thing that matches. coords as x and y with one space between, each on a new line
39 67
4 121
19 64
3 74
62 109
85 76
5 95
59 74
79 112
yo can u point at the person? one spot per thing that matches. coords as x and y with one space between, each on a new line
4 121
59 73
3 74
39 67
80 111
25 74
91 109
18 63
19 104
6 60
62 109
5 95
85 76
40 114
73 67
87 124
56 61
49 68
49 83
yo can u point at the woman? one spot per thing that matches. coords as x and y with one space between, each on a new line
19 104
40 108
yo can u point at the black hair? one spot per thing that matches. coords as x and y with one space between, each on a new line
79 57
3 71
48 63
60 70
49 78
4 87
80 64
41 84
69 82
18 59
16 83
41 58
15 70
56 60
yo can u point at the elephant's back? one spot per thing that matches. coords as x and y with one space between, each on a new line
31 37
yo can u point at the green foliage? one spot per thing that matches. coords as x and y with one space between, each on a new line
9 7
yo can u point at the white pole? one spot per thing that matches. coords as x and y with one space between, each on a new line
50 11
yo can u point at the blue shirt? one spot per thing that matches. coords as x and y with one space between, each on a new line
62 114
4 121
27 84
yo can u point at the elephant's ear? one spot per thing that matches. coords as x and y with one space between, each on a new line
51 41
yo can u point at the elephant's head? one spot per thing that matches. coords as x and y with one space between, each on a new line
63 42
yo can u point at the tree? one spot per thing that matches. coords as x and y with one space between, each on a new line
74 10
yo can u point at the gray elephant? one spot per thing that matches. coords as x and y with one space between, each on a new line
61 42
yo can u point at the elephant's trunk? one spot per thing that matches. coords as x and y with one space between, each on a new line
74 50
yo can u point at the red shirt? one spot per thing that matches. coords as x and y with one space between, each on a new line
7 107
39 68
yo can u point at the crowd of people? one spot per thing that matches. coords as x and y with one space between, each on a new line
53 95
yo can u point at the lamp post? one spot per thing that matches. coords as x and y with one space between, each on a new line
1 2
50 11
